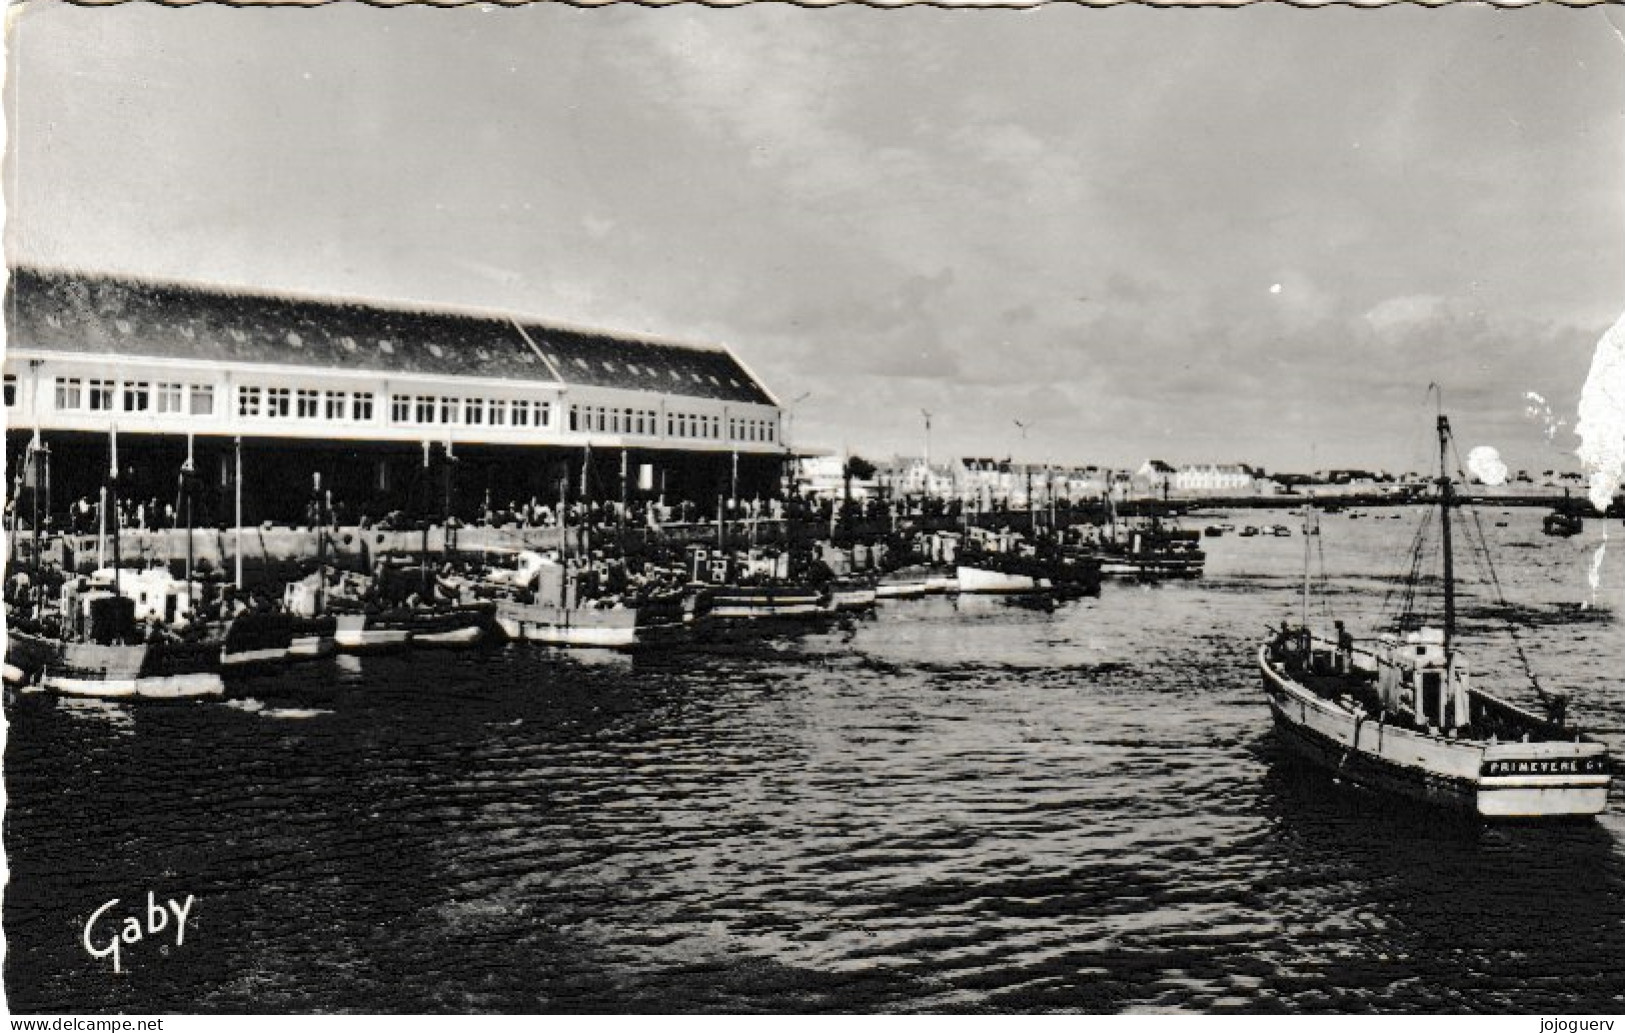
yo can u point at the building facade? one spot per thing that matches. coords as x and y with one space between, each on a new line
371 396
1224 478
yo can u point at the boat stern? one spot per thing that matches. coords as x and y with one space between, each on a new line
1524 780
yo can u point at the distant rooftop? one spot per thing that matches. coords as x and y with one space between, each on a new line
87 314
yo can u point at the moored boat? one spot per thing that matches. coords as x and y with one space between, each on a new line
1000 564
548 602
449 624
758 584
903 584
1564 521
853 593
255 638
1150 551
985 578
359 629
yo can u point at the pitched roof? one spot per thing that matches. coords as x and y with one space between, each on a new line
71 312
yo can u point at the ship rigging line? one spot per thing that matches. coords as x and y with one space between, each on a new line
1482 545
1412 578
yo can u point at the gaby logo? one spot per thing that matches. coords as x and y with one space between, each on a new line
108 937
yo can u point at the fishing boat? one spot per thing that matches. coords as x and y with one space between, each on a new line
26 653
1564 521
1152 551
850 575
358 628
544 600
1404 717
1000 564
905 584
314 631
257 638
119 634
756 584
853 593
105 653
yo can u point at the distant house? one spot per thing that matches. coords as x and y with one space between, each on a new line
1153 476
912 475
1233 478
822 476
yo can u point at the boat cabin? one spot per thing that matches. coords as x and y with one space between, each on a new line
1424 679
155 593
719 567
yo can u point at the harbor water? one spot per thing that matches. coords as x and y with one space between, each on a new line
949 805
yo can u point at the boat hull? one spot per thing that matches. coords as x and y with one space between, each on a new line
753 602
26 657
1149 568
355 633
908 589
980 581
91 671
941 584
851 600
1510 780
658 620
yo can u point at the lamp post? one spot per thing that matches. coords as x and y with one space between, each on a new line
1027 468
789 444
927 414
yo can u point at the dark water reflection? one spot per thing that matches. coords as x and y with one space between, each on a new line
947 807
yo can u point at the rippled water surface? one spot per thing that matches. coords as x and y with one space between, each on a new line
949 806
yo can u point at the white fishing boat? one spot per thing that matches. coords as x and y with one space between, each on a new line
449 624
314 632
119 671
358 631
1404 717
750 585
986 580
1005 563
901 585
941 582
853 594
734 602
547 602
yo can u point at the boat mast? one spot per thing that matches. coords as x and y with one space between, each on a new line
586 504
1308 512
33 472
187 469
564 537
237 532
112 494
1445 497
321 543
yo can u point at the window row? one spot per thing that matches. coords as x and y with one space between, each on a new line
693 425
75 394
282 403
423 410
751 430
614 420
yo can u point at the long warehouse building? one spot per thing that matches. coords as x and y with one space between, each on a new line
397 409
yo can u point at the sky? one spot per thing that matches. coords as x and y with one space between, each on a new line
1250 235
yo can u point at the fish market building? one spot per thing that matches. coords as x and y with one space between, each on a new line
395 408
